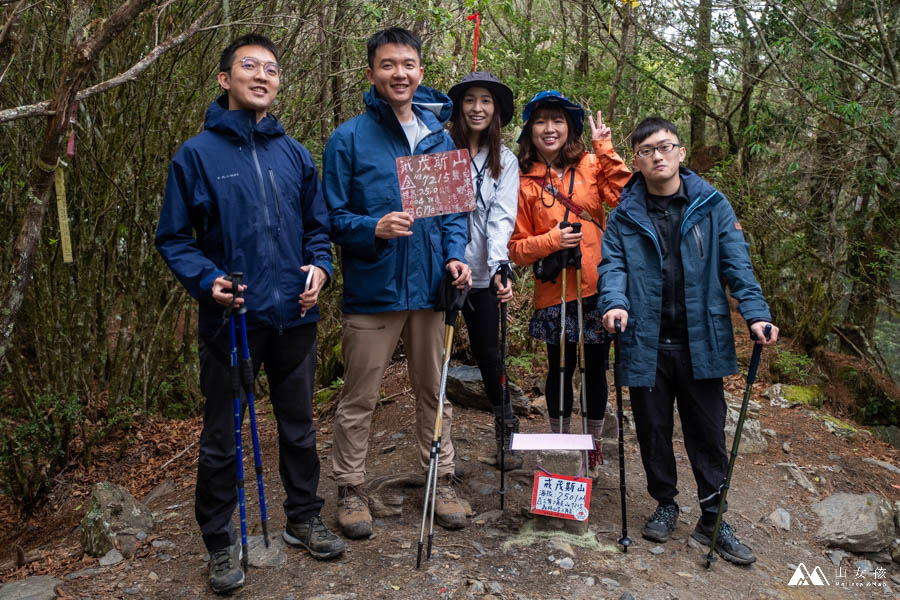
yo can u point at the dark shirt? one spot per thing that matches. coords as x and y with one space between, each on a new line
666 213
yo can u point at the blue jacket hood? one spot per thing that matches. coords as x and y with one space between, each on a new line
239 124
430 105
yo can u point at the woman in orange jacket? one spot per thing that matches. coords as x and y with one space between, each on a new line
555 165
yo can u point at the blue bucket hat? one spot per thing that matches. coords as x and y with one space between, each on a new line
575 112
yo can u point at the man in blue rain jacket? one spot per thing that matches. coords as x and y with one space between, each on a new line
668 247
242 196
391 266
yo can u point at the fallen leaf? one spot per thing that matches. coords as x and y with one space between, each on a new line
395 587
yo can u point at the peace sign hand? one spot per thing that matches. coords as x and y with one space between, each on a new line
599 131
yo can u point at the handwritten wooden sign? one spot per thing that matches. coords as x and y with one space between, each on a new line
436 184
561 496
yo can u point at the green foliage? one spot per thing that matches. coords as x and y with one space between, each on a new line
791 367
36 444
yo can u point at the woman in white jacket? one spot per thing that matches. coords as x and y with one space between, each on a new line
482 105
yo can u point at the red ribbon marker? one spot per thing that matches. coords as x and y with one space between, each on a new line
477 18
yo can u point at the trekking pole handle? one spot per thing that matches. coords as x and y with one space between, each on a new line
618 326
504 273
236 278
767 331
575 253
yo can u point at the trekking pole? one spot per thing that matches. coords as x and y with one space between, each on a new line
562 324
723 491
625 541
504 277
242 380
575 256
450 317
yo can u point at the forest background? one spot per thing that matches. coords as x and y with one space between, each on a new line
788 107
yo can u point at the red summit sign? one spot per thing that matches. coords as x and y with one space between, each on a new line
435 184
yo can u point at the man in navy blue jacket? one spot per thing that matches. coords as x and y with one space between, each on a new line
242 196
667 248
392 266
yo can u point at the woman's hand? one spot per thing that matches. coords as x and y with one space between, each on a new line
599 131
567 238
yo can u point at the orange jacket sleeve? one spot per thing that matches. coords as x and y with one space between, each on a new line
610 172
525 246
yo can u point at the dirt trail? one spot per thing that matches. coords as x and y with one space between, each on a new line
495 557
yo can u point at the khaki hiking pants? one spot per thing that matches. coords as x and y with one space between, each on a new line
368 342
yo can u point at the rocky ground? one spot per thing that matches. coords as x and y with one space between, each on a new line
500 554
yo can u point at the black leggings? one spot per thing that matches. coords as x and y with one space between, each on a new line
483 321
596 357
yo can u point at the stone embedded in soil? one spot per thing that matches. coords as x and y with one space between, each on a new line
466 388
855 522
882 464
42 587
657 550
266 558
836 556
780 518
112 510
566 563
799 476
113 557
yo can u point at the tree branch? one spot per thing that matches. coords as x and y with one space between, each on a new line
43 108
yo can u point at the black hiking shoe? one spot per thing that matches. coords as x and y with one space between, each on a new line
315 537
225 571
661 523
727 543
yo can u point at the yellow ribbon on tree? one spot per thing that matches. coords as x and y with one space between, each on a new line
59 180
633 3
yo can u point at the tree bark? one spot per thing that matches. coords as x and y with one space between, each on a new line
621 61
700 87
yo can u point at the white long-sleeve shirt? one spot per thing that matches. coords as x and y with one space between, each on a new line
491 223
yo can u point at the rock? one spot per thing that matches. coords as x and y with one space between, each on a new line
127 544
808 395
113 557
780 518
475 587
889 434
567 562
266 558
42 587
539 407
770 432
466 388
625 595
865 566
736 401
494 588
489 518
752 440
855 522
799 476
398 436
836 556
775 394
589 581
562 547
882 464
786 447
389 449
654 549
112 510
838 427
82 573
610 584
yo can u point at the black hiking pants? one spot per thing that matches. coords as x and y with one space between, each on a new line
701 405
483 322
290 361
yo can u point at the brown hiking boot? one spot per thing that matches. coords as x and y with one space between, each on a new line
353 512
448 510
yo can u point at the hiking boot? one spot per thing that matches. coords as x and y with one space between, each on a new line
727 543
225 571
315 537
511 460
661 523
448 510
353 512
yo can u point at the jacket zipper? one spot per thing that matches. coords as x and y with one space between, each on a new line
652 237
699 238
693 207
262 191
277 197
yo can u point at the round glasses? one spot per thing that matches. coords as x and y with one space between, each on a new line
251 66
662 148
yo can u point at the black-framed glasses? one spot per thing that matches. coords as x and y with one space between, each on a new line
661 148
251 66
